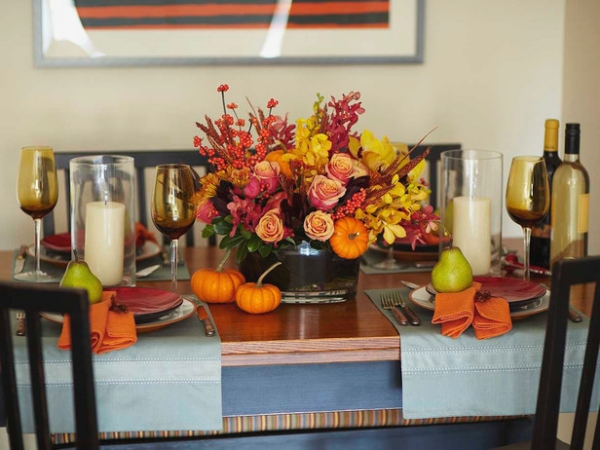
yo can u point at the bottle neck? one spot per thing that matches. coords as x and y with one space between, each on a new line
571 157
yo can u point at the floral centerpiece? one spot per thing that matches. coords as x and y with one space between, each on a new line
317 182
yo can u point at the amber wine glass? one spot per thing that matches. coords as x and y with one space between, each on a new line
37 194
527 196
174 206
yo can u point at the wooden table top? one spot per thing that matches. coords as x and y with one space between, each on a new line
353 331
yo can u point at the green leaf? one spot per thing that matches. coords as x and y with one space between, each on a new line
265 250
230 242
223 228
253 243
241 253
247 234
208 231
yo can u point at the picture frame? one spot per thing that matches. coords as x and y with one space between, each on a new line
183 32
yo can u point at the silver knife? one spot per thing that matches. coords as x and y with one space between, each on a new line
20 261
147 271
408 284
409 313
205 319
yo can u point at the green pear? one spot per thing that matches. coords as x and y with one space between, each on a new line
79 275
452 273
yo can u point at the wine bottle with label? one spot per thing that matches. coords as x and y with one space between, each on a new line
541 232
570 202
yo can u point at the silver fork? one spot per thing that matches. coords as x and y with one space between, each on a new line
387 302
21 325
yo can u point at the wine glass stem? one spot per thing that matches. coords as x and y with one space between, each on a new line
174 253
527 241
37 225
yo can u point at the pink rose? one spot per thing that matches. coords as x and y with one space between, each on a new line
340 167
252 189
324 193
268 173
318 225
270 227
206 212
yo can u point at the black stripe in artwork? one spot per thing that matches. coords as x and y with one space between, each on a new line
339 19
101 3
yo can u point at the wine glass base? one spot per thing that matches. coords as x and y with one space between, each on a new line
36 277
389 265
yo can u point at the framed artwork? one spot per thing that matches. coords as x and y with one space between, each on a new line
202 32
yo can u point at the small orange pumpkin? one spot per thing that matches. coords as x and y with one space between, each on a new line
217 285
350 238
258 298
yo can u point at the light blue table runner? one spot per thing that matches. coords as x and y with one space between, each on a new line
445 377
169 380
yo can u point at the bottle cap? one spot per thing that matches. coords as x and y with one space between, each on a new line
572 136
551 135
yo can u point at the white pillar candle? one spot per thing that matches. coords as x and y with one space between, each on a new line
105 241
472 231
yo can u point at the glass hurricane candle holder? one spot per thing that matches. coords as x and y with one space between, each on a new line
103 216
471 206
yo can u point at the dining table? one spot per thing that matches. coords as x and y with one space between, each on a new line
309 375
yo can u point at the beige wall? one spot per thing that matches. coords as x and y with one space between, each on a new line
581 95
492 75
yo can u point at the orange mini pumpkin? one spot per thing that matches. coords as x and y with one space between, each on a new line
350 238
217 285
258 298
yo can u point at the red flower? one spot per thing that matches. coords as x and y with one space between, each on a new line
223 88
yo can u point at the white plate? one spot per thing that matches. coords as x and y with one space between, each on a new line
185 310
147 251
421 297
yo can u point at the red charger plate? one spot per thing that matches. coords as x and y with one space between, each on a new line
512 289
147 304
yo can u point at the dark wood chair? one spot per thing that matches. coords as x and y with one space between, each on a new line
565 274
433 166
143 159
34 299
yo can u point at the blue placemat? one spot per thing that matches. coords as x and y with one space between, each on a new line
162 274
445 377
55 271
370 258
169 380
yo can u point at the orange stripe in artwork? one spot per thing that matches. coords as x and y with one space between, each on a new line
298 9
236 26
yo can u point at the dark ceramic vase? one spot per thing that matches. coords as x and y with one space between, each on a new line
306 275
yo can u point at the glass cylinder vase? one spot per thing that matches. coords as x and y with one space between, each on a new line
306 275
103 216
471 206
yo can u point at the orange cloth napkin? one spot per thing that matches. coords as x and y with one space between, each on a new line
458 310
109 330
492 318
455 310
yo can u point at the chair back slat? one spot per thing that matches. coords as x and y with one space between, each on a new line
433 160
565 274
9 379
34 299
38 379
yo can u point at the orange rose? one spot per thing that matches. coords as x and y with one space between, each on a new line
318 225
270 227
